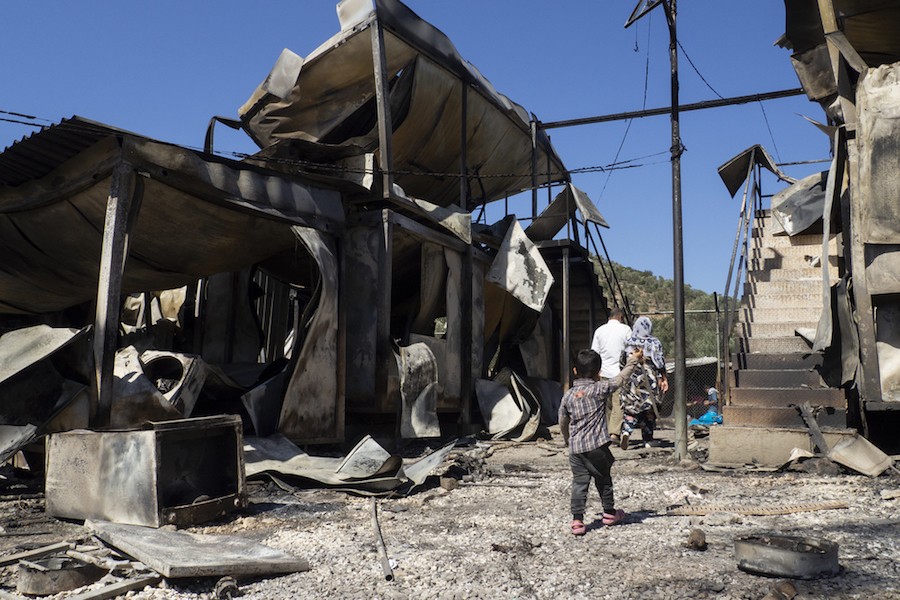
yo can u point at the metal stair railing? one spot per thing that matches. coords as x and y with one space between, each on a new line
751 201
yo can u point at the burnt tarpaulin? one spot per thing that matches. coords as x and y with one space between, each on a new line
13 438
51 240
510 409
419 383
878 144
42 371
557 214
516 287
332 100
840 359
311 402
833 186
799 206
520 270
367 469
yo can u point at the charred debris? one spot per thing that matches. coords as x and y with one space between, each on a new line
161 307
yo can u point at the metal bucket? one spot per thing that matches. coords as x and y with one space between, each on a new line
787 556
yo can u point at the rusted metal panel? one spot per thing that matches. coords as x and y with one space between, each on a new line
813 69
878 140
883 268
177 472
887 344
557 214
182 554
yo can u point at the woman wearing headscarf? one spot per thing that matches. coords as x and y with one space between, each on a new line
643 391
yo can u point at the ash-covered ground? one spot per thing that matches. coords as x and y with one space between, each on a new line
502 531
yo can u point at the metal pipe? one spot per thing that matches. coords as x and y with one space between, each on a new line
680 411
726 333
379 543
664 110
383 108
719 366
612 289
463 147
628 314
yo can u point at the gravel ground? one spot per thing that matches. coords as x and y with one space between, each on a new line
505 534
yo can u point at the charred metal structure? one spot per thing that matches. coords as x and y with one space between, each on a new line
337 271
842 224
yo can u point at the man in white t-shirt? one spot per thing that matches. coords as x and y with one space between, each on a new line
608 342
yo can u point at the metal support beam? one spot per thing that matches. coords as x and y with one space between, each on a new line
665 110
383 107
534 168
466 295
566 317
463 149
121 211
680 410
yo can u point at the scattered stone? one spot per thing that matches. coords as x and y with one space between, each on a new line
226 588
890 494
696 540
786 589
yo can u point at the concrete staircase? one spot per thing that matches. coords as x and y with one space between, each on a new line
773 368
587 304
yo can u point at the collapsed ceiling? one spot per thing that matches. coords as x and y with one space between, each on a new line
329 97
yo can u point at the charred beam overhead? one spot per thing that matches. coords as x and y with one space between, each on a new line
665 110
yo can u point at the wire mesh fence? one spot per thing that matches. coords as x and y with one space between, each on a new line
702 358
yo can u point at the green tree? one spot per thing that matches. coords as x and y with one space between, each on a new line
651 295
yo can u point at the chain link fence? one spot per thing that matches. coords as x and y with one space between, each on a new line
702 358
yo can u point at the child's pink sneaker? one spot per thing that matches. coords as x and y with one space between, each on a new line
614 518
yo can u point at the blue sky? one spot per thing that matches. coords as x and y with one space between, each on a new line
162 69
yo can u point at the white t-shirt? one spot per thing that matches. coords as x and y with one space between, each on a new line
608 342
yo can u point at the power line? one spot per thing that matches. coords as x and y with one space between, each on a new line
771 137
643 106
697 71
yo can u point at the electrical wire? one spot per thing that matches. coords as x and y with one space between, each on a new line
697 71
771 137
643 105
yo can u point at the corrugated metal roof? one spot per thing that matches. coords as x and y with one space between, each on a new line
40 153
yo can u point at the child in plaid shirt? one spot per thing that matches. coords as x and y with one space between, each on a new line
582 421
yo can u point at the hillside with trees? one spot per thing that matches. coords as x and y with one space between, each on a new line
651 295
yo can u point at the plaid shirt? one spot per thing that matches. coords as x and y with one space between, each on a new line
585 404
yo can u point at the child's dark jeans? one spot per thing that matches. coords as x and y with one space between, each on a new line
595 465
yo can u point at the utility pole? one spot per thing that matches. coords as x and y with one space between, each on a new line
680 409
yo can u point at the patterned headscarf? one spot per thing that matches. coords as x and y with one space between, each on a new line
641 338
